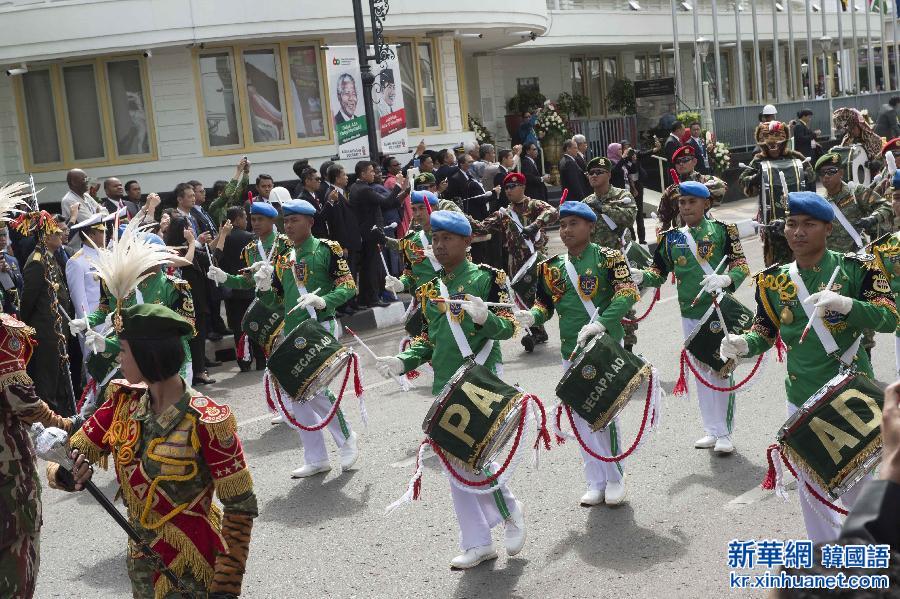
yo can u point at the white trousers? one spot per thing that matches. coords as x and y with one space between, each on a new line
823 525
603 442
716 407
477 514
313 411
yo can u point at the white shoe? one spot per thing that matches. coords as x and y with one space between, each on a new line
472 557
515 531
311 470
615 492
724 445
349 452
592 497
707 442
277 419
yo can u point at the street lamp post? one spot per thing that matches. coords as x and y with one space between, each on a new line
378 10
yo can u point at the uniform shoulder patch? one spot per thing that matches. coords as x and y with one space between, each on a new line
210 412
498 276
80 252
179 284
124 385
770 270
334 245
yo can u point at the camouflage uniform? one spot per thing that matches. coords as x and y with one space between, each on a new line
617 205
667 213
20 490
775 247
855 202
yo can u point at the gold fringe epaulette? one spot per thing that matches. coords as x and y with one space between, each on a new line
15 378
234 485
336 248
93 452
224 430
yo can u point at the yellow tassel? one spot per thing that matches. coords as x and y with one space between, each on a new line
223 431
91 450
234 485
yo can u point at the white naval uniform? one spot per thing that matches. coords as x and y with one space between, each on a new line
716 407
84 286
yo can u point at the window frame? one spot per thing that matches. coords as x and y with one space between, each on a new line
104 106
437 67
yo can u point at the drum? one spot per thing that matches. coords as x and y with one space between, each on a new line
307 360
601 381
99 366
853 162
637 256
835 437
474 417
773 199
703 342
262 324
526 286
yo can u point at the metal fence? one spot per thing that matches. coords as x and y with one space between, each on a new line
602 132
735 125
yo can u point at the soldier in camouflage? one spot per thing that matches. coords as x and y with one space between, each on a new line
685 161
20 490
772 138
616 211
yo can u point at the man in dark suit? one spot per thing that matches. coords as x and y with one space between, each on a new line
804 137
535 188
571 176
673 142
115 198
310 181
704 166
582 157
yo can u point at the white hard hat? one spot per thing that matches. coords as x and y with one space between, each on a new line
769 109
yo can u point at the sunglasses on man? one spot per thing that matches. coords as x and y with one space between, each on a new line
830 171
596 172
684 160
512 185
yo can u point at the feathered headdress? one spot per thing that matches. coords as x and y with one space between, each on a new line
11 197
126 263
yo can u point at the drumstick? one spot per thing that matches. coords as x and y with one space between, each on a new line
211 260
440 300
715 270
318 289
396 378
384 263
715 301
815 313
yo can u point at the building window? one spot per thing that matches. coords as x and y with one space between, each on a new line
418 70
641 67
220 109
85 114
306 91
262 85
597 76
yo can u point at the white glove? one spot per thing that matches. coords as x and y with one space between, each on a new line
733 346
95 341
78 325
525 318
311 299
476 308
393 284
589 331
216 275
830 300
389 366
258 264
263 277
637 276
712 283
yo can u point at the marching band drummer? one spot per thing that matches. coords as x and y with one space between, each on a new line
479 328
886 250
573 284
691 253
311 279
787 293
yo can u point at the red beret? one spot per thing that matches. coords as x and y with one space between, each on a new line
891 146
684 151
514 178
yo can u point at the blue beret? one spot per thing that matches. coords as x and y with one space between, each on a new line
263 209
419 197
298 207
811 204
452 222
694 188
895 182
577 209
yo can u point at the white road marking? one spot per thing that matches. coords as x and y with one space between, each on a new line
751 496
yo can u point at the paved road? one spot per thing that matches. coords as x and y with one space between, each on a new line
329 535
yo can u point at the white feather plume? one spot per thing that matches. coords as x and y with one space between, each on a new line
12 196
125 263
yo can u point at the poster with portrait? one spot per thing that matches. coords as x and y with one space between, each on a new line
387 99
348 112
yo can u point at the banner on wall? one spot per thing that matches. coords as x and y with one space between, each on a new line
349 113
387 97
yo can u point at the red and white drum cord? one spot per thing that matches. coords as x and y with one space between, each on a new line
268 386
414 373
637 319
681 387
90 391
495 480
243 352
774 480
353 364
652 413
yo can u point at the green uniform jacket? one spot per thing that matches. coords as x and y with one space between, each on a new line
603 280
158 288
437 344
315 264
856 202
887 256
250 255
715 240
778 310
620 208
417 267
